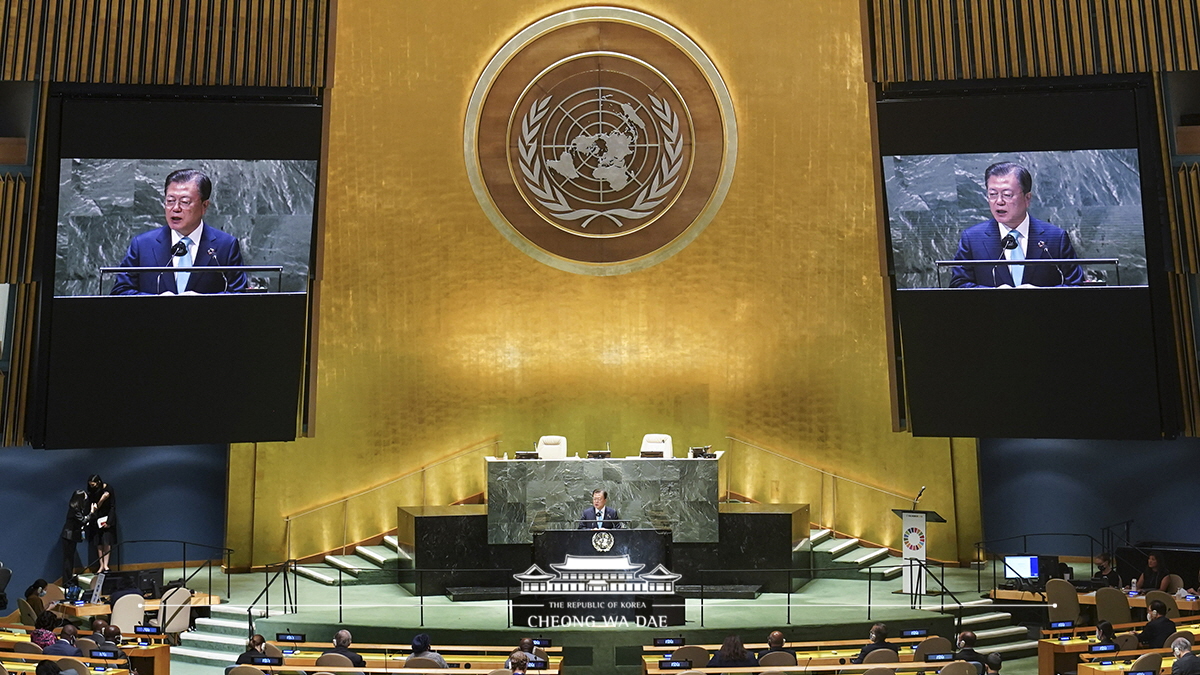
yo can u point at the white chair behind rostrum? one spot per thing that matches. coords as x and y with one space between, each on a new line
658 442
552 447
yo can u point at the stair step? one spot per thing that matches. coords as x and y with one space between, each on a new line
836 547
322 574
888 571
996 636
381 556
983 619
205 657
818 536
221 626
233 612
1013 650
351 564
861 557
213 642
391 542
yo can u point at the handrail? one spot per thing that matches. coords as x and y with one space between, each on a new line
345 501
924 564
982 551
392 481
818 469
291 598
226 552
810 573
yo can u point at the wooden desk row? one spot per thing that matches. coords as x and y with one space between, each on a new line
288 670
1087 599
88 609
27 663
154 659
475 662
650 667
813 645
393 648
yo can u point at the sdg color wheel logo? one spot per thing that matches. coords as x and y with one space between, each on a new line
583 149
914 539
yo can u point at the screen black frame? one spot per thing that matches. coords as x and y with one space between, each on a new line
931 118
143 122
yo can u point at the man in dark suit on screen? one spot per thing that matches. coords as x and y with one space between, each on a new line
186 243
599 515
1013 235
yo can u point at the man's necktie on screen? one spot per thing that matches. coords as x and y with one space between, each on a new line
1018 271
185 260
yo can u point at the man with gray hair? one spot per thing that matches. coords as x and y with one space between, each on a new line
341 645
1186 663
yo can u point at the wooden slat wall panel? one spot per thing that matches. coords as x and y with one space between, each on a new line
264 43
16 259
918 40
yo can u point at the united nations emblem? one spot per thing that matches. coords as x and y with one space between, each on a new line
595 160
603 541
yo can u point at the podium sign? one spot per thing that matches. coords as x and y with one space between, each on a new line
913 544
913 539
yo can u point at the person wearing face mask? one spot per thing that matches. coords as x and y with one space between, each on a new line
878 637
1105 572
1105 634
966 648
1158 627
34 595
1186 663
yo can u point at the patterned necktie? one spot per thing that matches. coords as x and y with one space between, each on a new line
185 260
1018 271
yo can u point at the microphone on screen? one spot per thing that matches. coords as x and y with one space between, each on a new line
178 250
212 252
1008 243
1062 279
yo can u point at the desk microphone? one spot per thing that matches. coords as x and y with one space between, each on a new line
1062 279
212 252
177 251
1008 243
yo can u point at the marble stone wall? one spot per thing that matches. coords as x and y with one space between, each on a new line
1095 195
524 495
103 203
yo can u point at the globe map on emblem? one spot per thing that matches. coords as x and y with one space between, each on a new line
600 140
600 161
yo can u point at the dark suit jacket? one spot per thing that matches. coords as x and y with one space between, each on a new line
355 659
153 249
872 646
774 649
1156 632
588 520
1188 664
969 654
63 648
982 242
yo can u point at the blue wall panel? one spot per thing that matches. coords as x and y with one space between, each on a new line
162 493
1038 485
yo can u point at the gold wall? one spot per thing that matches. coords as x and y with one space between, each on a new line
437 335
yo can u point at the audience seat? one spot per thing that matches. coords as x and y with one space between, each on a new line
1174 583
883 656
336 660
76 665
128 611
933 645
1180 634
1063 601
958 668
1147 662
880 671
778 659
1112 605
1126 642
26 648
695 653
421 662
86 645
1168 600
245 670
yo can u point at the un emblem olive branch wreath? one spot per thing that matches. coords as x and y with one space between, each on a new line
648 198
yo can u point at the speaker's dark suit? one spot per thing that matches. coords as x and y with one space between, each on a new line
588 520
153 249
982 242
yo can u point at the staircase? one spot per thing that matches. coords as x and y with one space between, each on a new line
367 565
850 558
995 631
216 640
